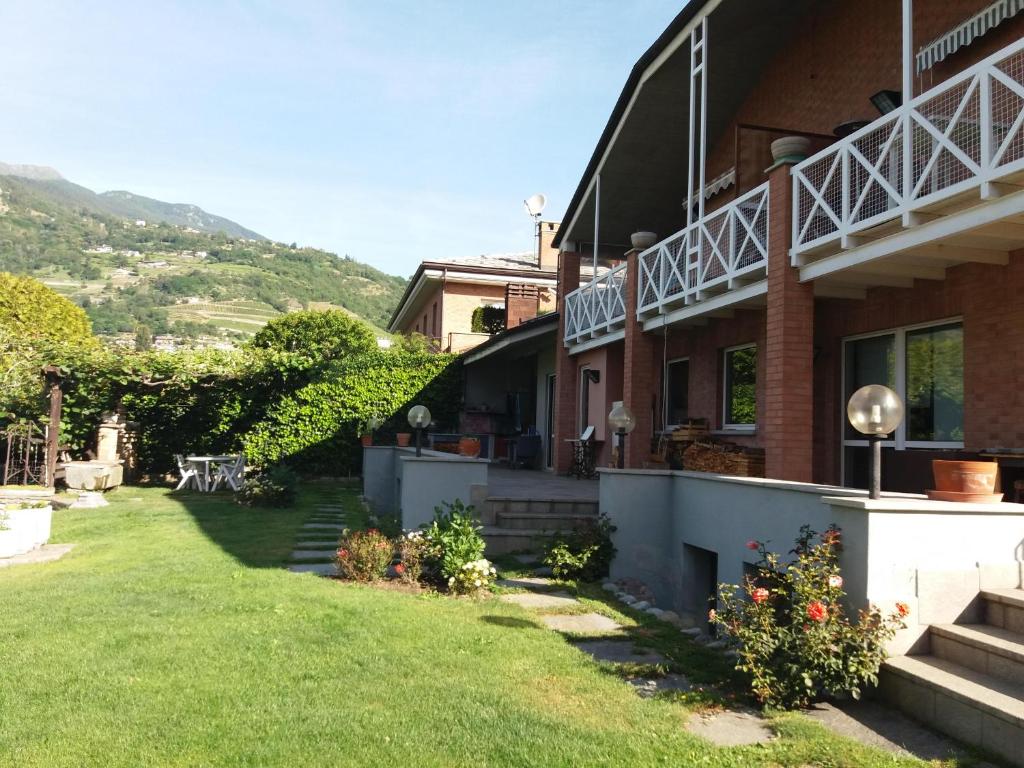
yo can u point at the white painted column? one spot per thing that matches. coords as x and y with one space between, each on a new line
908 94
597 216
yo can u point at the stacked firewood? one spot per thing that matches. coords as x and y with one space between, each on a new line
724 459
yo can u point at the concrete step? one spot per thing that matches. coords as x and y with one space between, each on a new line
544 521
501 541
971 706
990 650
551 506
1004 608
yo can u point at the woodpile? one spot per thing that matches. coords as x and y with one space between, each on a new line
694 429
724 459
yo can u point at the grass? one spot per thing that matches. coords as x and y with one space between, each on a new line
172 635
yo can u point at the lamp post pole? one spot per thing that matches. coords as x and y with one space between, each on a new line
419 441
622 448
875 488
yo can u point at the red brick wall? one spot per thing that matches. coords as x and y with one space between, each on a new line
521 304
987 297
640 380
840 55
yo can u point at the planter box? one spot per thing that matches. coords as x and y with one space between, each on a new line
24 529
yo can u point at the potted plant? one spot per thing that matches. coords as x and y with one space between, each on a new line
404 438
971 481
25 517
366 433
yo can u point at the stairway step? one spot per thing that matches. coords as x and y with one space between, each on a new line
544 521
991 650
501 541
1014 597
966 704
1004 608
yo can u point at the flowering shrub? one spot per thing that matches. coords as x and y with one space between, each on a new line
452 540
472 577
275 487
364 555
585 554
793 637
414 552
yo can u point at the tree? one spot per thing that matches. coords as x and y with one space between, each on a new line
28 309
143 338
316 335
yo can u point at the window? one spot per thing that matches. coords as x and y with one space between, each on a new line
925 366
433 321
677 392
740 385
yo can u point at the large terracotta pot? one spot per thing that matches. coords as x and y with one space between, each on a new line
366 440
469 446
404 438
965 476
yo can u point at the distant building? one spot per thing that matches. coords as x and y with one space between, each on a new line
154 264
140 222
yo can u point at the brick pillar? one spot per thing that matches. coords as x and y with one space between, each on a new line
566 388
639 377
788 421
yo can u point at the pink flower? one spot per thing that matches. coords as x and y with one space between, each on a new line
817 611
712 614
759 595
836 582
342 553
399 569
753 545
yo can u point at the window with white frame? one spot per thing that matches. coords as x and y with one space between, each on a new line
924 364
677 392
739 380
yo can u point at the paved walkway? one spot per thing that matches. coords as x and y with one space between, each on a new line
44 554
503 483
318 537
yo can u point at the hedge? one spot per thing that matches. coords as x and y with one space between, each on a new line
316 429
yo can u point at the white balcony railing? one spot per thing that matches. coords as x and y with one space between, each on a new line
597 308
728 244
948 140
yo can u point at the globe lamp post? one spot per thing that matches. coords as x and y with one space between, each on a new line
875 411
419 419
622 421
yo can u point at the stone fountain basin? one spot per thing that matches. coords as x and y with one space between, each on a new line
93 475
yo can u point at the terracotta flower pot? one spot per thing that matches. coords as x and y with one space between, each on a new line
404 438
366 440
469 446
965 476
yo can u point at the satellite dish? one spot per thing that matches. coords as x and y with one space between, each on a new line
534 204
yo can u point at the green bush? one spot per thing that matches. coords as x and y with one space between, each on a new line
275 487
316 428
365 555
29 309
454 542
317 335
488 320
793 636
585 554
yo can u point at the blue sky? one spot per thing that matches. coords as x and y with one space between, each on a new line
391 131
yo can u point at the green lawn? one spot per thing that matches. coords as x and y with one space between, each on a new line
171 635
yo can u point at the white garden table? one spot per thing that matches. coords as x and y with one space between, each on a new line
204 466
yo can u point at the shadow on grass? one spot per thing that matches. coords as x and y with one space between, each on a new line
510 621
260 537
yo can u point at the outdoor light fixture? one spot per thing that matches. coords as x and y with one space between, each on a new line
887 101
621 419
419 419
875 411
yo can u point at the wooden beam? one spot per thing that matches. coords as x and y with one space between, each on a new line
959 254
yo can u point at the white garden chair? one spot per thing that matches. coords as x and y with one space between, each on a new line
189 474
231 472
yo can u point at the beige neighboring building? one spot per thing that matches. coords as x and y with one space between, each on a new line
443 296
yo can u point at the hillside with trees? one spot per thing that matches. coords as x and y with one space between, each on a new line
144 278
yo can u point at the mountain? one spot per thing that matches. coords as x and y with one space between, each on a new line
123 204
141 266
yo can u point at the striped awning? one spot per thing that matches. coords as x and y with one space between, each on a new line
966 33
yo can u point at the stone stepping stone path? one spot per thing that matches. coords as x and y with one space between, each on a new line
541 601
524 582
313 554
320 569
619 652
324 526
649 687
44 554
732 728
581 623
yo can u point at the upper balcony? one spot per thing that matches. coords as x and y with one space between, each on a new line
717 262
597 309
936 182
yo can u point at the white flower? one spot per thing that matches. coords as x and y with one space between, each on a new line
477 582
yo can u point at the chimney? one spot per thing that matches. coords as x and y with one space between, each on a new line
522 303
547 255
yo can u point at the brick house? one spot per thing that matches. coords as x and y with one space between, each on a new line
502 289
888 249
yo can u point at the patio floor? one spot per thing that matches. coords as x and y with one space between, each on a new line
531 484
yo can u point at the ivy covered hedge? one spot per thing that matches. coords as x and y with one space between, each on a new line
316 429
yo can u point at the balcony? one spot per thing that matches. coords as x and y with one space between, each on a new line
597 310
716 262
946 166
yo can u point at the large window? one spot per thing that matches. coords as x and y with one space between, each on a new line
677 392
740 387
925 366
